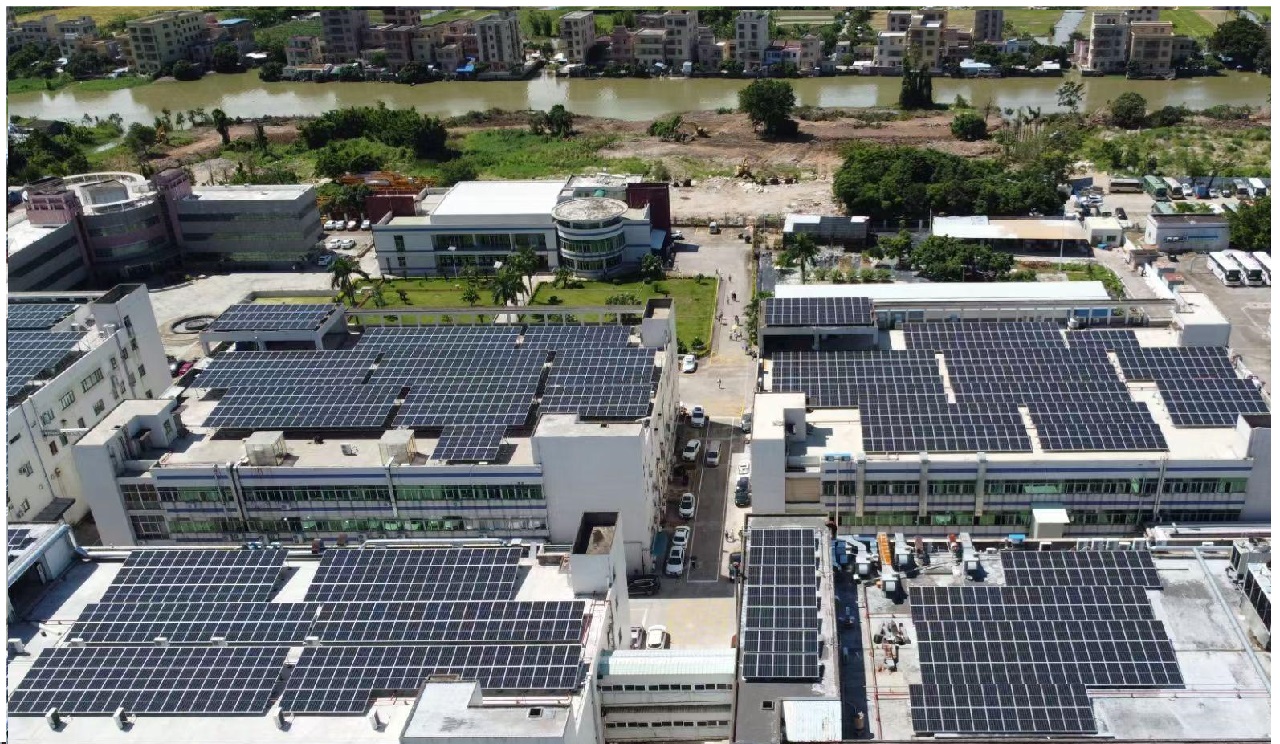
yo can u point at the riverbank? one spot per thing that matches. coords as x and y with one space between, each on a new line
627 99
97 85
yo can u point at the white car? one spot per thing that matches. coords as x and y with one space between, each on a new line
691 450
330 225
1215 194
325 261
698 417
365 225
680 538
675 563
689 363
352 224
688 505
657 637
744 468
677 235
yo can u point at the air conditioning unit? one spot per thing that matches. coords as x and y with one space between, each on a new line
17 646
397 447
266 448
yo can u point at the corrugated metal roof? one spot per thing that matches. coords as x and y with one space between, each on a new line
699 662
812 720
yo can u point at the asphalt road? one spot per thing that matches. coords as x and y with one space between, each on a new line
711 485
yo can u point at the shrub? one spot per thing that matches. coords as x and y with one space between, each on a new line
969 126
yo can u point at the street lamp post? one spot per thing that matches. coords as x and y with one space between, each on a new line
453 249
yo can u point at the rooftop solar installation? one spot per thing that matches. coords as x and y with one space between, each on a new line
19 539
30 353
265 317
304 406
336 680
1199 385
818 311
780 601
469 443
452 622
37 316
1107 338
150 680
258 623
416 575
1067 621
197 575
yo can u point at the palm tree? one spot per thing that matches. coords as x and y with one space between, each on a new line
223 124
564 275
507 286
525 261
344 271
804 249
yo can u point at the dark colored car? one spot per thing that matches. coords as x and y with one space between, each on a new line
1120 214
643 586
742 492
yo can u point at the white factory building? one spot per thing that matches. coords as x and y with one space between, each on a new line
1181 233
886 418
73 358
245 459
596 226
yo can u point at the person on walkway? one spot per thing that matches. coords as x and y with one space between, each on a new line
719 383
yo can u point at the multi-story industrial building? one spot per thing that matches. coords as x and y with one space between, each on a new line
596 226
597 432
72 358
100 228
751 38
965 425
344 32
988 25
1182 233
577 34
162 39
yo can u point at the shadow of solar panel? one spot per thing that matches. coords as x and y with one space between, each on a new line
264 317
37 316
1001 709
150 681
333 680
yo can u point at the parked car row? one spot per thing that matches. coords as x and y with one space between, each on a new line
336 225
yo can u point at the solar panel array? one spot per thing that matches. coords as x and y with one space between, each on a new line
98 680
372 646
1018 659
306 406
1081 568
30 353
469 443
197 575
264 317
259 623
37 316
19 539
780 626
1110 339
416 575
1199 385
336 680
818 311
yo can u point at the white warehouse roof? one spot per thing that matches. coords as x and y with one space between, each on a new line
954 291
708 661
500 198
978 227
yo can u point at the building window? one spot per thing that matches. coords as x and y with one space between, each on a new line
93 379
399 241
99 407
67 399
149 527
26 469
46 418
53 448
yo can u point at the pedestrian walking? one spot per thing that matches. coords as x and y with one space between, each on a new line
719 383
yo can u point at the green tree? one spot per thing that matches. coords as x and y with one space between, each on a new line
969 126
185 71
85 63
470 295
527 262
226 58
944 259
917 88
140 138
271 72
564 275
507 286
651 267
803 250
558 122
260 142
345 276
1070 94
751 313
456 171
1242 42
896 247
1250 226
223 125
768 104
1129 110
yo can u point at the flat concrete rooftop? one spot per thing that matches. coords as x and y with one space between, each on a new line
1225 695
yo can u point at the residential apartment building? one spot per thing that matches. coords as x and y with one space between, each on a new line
1132 40
804 54
401 16
622 49
751 37
898 21
1149 14
1151 47
680 29
891 49
302 50
650 47
1108 47
344 32
577 34
162 39
500 43
988 25
392 42
67 35
72 360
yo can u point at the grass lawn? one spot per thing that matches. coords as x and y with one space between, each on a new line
36 84
120 83
103 14
266 37
695 303
454 15
1188 21
518 154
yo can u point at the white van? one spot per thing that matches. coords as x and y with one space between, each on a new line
713 454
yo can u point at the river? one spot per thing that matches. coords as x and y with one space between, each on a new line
244 95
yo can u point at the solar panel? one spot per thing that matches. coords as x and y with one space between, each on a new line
306 407
1066 604
1106 338
452 622
1199 385
197 575
268 317
335 680
272 369
31 353
780 605
37 316
1081 568
1001 709
259 623
471 443
818 311
150 681
416 575
1122 426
